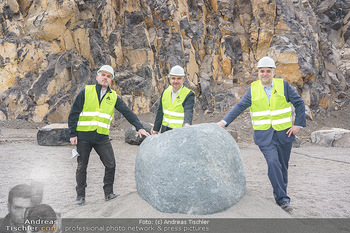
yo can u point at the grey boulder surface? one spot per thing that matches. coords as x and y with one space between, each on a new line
191 170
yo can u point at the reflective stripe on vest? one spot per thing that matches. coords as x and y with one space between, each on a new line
174 114
277 113
96 116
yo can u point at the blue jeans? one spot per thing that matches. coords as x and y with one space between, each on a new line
105 151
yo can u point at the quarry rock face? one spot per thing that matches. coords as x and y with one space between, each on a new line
50 49
190 170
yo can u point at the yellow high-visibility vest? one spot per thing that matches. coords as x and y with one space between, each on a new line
277 113
174 114
96 116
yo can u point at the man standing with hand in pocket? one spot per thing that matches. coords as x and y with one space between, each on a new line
270 101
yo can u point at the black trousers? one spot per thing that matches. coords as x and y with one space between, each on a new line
165 128
105 151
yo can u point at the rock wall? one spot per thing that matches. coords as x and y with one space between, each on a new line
50 49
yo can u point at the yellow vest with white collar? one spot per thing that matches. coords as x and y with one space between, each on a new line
96 116
277 113
173 114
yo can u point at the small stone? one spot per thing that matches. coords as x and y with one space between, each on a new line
132 136
53 135
334 137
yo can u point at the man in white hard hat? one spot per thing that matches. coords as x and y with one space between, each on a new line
270 101
89 123
176 103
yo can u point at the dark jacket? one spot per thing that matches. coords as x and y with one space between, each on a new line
188 108
264 137
77 107
6 224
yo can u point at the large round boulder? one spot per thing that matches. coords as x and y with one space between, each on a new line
190 170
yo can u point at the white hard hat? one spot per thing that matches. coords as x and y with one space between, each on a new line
266 62
108 69
177 71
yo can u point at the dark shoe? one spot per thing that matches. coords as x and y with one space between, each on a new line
286 207
80 201
111 196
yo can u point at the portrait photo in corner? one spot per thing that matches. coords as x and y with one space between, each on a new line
27 214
